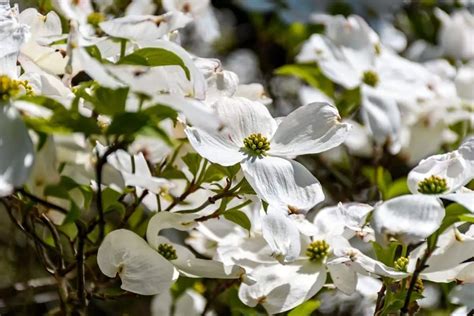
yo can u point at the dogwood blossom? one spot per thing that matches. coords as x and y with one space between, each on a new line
262 146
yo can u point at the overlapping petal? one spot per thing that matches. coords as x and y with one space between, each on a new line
141 269
283 183
408 218
310 129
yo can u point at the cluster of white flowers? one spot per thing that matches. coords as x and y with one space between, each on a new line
167 167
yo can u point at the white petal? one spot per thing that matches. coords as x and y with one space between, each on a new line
364 264
409 218
164 220
381 115
466 199
141 269
310 129
144 27
461 273
193 267
355 38
332 61
16 150
196 112
344 278
161 304
452 249
214 147
97 71
254 92
463 295
283 183
197 78
343 219
281 234
191 303
281 287
242 117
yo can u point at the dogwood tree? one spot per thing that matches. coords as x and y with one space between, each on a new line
133 165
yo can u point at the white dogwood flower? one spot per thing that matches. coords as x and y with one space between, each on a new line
264 148
16 147
450 259
44 29
456 33
445 175
150 268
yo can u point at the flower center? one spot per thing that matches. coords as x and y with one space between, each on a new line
256 144
95 18
401 264
370 78
317 250
167 251
10 88
432 185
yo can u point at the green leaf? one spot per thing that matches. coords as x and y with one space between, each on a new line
348 102
73 214
385 254
246 188
239 218
94 52
193 161
160 112
305 309
110 201
110 101
397 188
154 56
171 172
467 218
214 173
44 102
128 123
310 74
454 212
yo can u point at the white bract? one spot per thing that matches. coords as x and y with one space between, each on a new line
454 169
150 268
407 218
16 147
450 260
264 148
457 33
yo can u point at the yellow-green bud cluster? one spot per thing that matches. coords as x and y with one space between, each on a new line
370 78
317 250
95 18
419 287
256 144
167 251
401 264
433 185
9 88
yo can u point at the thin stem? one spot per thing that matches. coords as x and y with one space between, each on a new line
43 202
56 238
380 300
420 266
81 277
123 47
101 161
132 208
